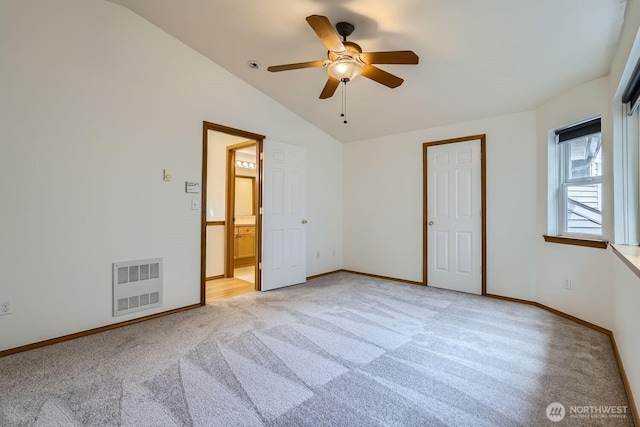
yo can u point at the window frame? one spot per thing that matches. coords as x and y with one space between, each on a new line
627 178
564 166
555 167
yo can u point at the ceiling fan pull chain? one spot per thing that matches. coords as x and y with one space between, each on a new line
344 101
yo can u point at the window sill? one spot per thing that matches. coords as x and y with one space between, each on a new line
575 241
630 255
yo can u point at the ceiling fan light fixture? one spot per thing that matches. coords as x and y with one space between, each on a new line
345 69
346 60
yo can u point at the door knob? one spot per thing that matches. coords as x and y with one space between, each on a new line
430 223
304 221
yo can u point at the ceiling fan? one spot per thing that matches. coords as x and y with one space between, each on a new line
346 59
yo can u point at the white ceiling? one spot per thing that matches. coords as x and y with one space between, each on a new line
478 58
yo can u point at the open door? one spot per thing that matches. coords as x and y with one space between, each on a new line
284 230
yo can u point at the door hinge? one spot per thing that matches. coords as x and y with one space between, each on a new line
261 211
261 156
259 266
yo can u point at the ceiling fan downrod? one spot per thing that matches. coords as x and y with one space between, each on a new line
345 29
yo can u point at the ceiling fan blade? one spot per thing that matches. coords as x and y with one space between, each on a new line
296 66
329 88
325 31
380 76
391 57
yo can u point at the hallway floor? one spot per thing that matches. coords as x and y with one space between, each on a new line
229 287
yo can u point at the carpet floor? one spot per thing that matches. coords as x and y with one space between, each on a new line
341 350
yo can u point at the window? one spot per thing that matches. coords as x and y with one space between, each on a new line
626 149
627 186
631 95
580 180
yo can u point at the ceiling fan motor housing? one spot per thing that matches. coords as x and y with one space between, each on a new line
351 51
345 29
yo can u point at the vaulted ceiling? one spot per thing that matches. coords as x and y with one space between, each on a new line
478 58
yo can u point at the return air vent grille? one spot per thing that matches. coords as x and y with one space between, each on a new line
137 285
123 275
144 272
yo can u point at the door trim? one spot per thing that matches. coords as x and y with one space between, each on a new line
483 198
259 139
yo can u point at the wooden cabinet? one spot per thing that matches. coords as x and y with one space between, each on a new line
244 245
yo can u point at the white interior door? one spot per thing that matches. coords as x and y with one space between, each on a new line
454 221
284 198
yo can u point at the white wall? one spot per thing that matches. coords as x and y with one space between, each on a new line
626 320
625 45
588 268
383 204
324 207
214 265
217 173
95 103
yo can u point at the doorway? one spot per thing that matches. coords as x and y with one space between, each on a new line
231 224
242 200
454 229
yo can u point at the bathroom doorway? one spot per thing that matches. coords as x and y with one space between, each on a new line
242 210
230 217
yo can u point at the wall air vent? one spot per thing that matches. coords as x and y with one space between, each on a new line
137 285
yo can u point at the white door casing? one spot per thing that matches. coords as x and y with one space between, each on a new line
454 216
284 233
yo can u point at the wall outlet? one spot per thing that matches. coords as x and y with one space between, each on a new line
567 284
318 255
5 307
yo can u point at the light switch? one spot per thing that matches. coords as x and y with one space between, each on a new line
195 204
167 175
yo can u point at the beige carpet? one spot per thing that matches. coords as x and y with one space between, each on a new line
342 350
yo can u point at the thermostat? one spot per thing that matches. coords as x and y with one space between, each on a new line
192 187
